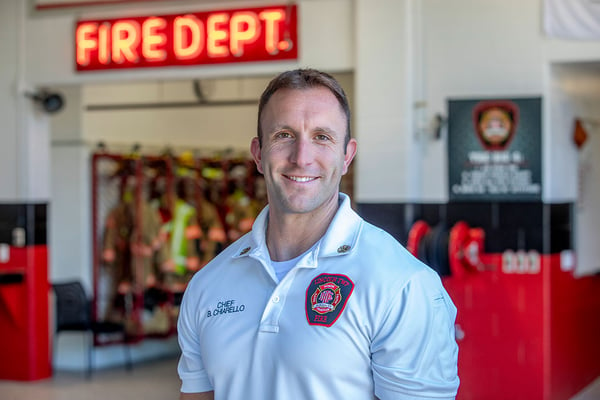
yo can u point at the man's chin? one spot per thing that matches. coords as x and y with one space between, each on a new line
302 205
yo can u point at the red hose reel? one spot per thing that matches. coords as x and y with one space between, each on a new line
455 251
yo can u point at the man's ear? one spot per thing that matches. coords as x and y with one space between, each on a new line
350 153
255 150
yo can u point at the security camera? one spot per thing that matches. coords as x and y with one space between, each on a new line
50 102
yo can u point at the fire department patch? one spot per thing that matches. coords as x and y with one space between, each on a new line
326 297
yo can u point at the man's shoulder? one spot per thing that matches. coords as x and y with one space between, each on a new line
375 239
385 256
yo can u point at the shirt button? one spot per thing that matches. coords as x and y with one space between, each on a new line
275 299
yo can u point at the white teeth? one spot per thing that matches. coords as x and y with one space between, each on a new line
301 178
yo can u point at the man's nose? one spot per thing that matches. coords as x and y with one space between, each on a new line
302 154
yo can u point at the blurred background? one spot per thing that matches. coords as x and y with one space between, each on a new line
125 168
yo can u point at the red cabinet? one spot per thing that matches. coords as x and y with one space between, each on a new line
526 333
24 292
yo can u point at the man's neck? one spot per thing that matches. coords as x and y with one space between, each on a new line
290 235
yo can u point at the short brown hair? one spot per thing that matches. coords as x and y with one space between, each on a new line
304 79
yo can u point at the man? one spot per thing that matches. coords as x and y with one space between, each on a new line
314 303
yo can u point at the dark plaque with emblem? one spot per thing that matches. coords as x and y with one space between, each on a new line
495 149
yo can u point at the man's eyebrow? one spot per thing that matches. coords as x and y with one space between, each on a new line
319 129
324 129
278 128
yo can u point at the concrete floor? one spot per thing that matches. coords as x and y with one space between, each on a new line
153 380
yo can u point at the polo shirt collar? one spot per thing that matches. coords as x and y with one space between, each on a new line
341 236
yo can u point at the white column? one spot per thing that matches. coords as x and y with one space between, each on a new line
24 131
8 105
385 97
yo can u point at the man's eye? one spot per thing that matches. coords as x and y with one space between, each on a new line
283 135
322 137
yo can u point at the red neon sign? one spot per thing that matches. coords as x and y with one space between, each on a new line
216 37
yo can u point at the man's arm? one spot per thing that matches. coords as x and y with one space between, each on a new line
415 350
197 396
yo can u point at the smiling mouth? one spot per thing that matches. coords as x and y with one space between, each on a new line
301 178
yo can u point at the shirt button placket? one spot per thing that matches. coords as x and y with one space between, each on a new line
274 307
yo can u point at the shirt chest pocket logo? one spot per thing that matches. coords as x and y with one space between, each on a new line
326 298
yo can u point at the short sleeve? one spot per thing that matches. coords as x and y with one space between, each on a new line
194 378
414 351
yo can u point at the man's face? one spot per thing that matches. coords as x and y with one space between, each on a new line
302 155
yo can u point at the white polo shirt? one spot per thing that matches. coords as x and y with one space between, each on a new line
357 316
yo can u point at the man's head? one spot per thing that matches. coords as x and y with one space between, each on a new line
303 147
304 79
